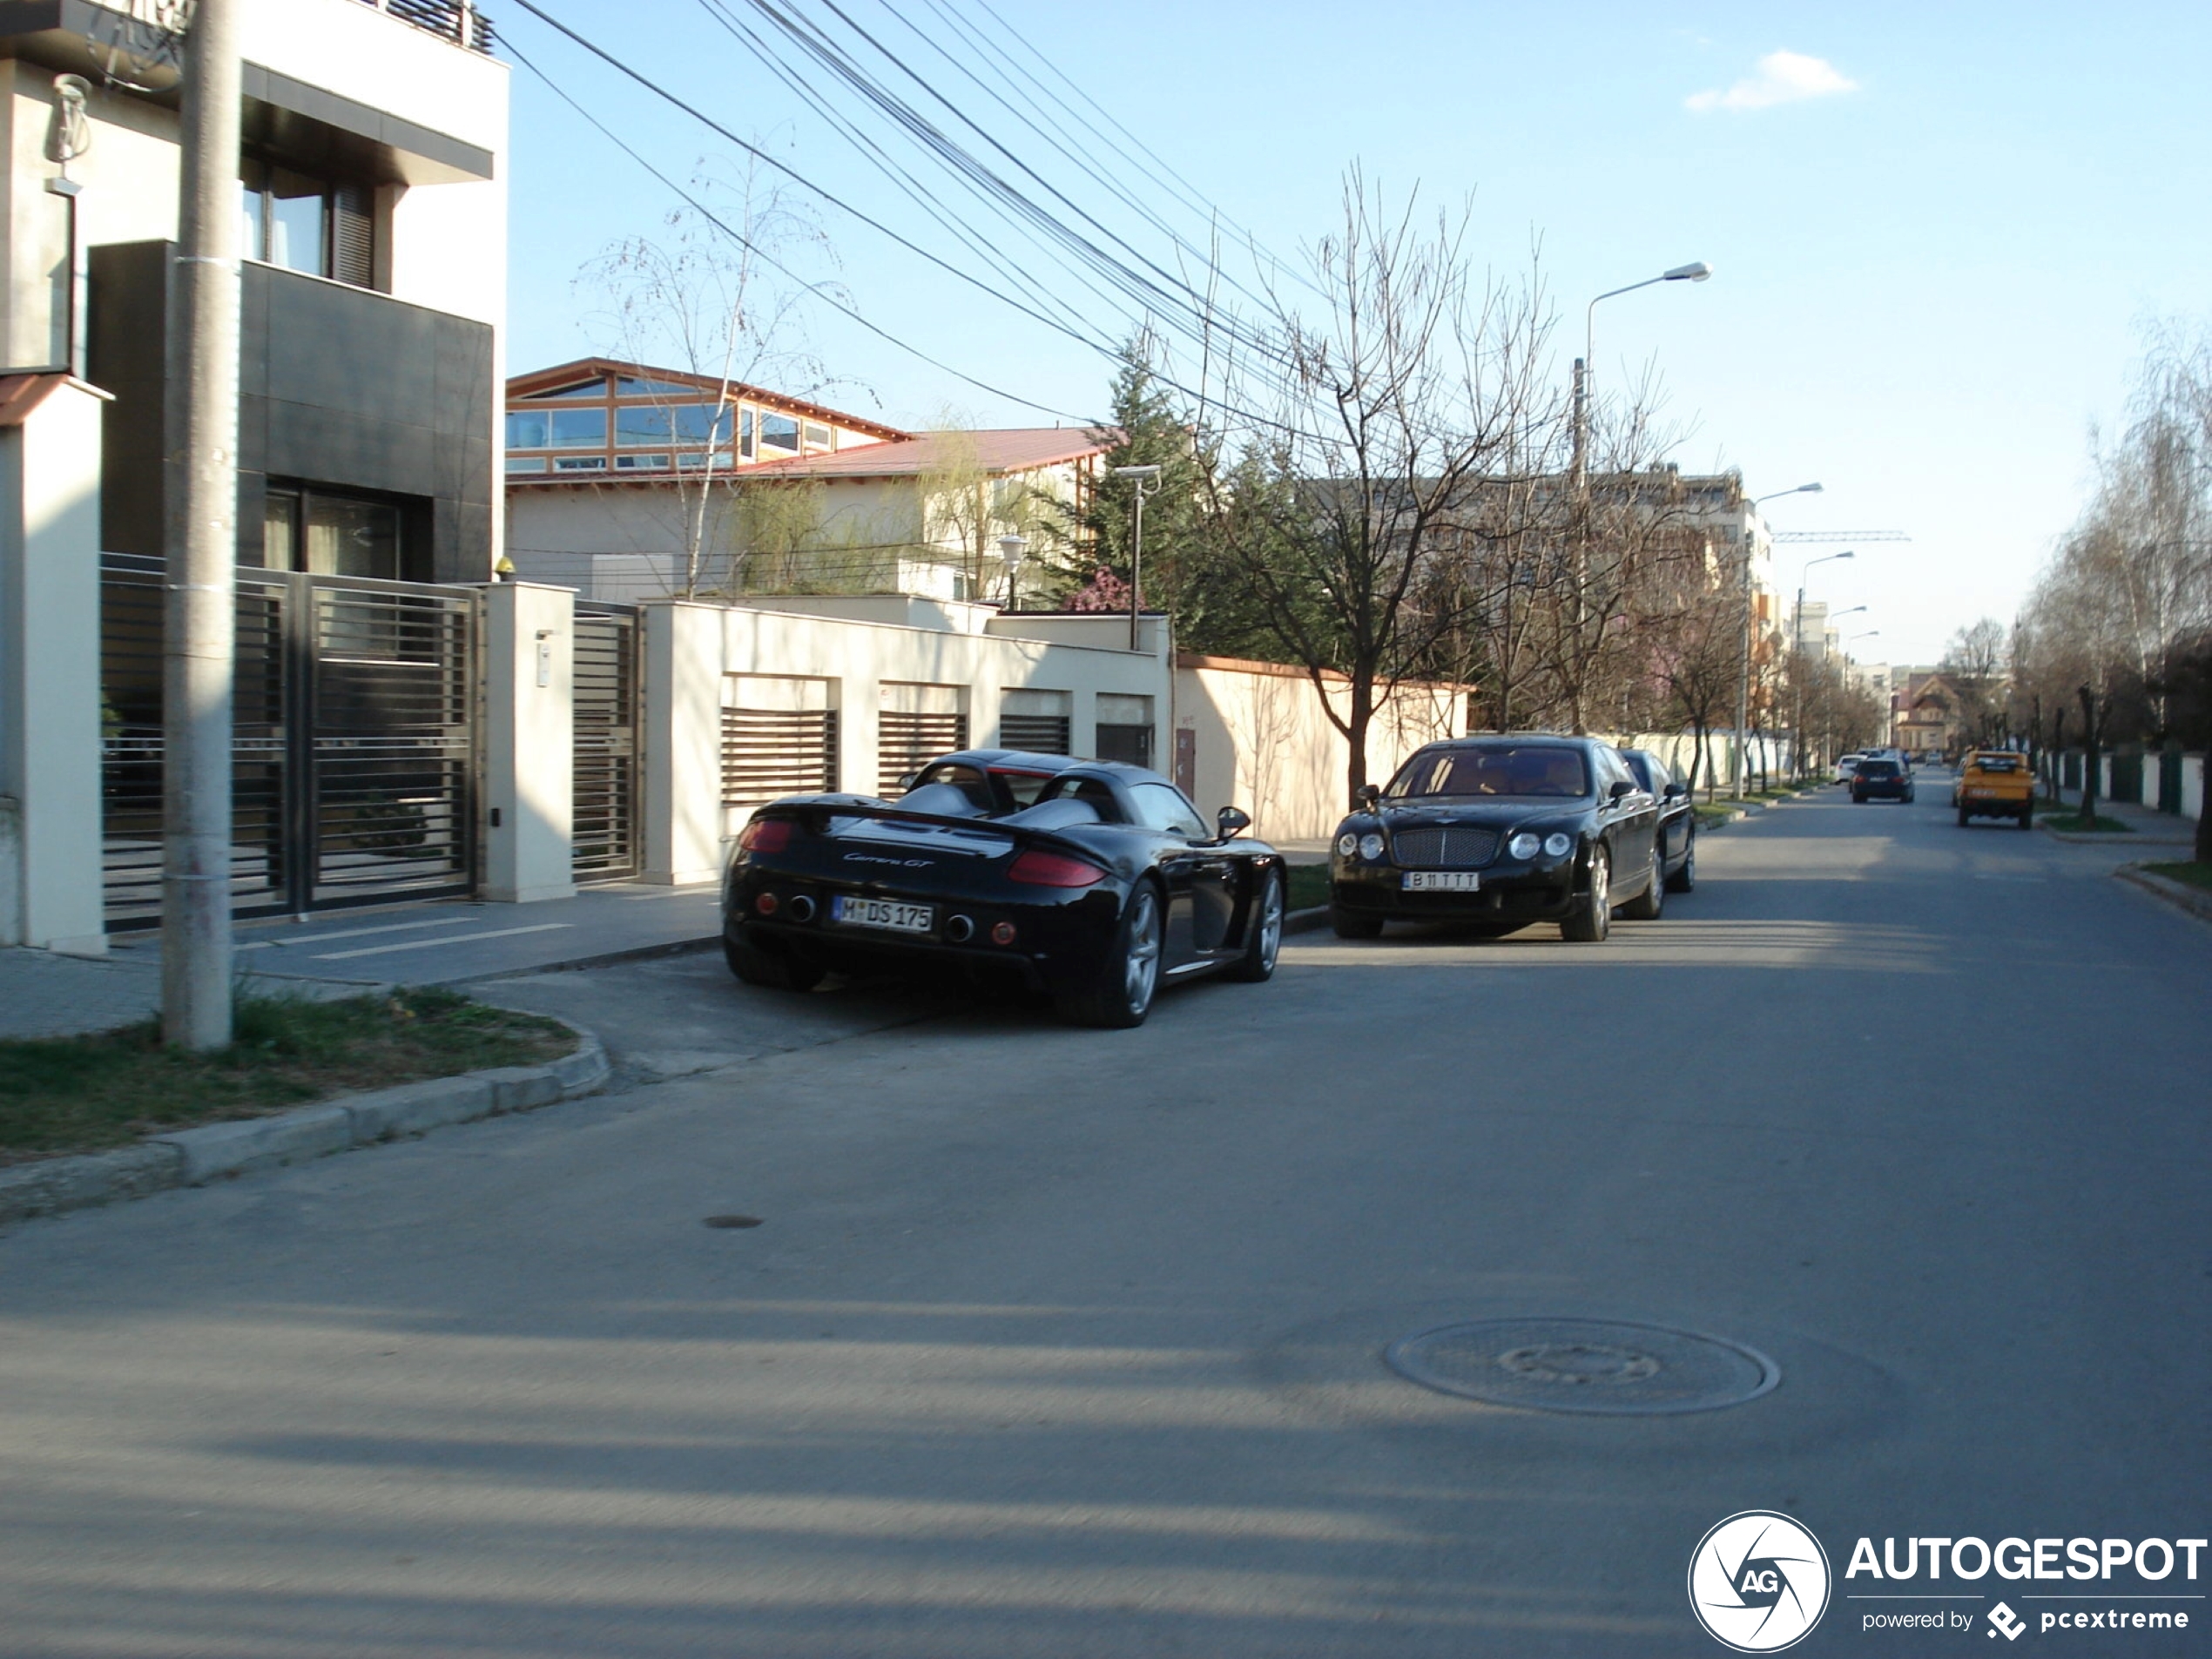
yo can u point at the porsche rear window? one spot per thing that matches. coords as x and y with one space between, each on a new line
1503 769
1024 787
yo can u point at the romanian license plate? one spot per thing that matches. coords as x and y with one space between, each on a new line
882 913
1443 881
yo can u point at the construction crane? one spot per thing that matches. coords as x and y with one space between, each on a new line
1841 536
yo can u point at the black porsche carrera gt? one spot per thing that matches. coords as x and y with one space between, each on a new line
1090 881
1496 832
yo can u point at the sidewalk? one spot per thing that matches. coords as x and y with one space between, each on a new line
342 953
2152 828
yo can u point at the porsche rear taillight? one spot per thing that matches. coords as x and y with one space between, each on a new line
767 835
1041 869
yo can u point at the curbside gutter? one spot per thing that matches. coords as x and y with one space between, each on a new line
191 1157
2180 894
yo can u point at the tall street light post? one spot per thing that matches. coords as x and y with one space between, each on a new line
1586 365
1797 648
200 541
1138 477
1744 673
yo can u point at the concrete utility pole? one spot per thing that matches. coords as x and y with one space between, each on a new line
201 543
1138 477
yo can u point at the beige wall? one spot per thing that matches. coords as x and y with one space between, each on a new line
1264 742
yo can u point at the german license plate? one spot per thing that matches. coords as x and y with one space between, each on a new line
882 913
1443 881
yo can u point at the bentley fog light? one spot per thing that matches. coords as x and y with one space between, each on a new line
1524 845
1559 846
1371 845
1347 844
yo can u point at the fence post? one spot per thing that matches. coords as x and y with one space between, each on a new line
50 667
683 742
529 742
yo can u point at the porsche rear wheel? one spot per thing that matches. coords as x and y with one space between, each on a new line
1264 935
1592 917
1120 995
769 970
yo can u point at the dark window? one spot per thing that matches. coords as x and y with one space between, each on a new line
579 429
1161 807
1131 744
303 221
329 534
779 432
1539 770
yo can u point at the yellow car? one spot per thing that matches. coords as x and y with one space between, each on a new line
1995 783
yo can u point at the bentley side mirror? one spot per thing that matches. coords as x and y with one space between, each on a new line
1674 791
1231 821
1368 795
1621 791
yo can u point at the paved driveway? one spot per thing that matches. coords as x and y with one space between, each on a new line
1053 1342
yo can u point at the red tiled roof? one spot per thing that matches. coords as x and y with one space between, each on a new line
996 450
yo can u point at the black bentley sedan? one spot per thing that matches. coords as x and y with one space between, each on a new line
1496 832
1677 831
1094 881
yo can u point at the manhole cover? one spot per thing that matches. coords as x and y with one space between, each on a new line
1583 1366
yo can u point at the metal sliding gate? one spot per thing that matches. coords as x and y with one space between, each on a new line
608 701
354 755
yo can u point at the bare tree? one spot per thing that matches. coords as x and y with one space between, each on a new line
715 307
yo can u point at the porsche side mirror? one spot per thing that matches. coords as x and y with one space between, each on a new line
907 782
1230 820
1621 791
1367 794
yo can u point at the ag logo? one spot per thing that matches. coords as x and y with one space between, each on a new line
1758 1582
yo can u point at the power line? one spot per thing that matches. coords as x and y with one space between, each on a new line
767 257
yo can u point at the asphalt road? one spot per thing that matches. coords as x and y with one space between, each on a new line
1060 1343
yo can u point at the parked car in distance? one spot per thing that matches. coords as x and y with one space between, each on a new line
1496 832
1094 881
1994 783
1881 780
1847 767
1677 831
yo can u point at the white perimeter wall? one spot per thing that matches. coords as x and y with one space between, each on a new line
1263 742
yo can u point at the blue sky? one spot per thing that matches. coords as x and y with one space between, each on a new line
1938 231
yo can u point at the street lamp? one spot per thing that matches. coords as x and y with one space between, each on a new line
1586 365
1013 550
1743 677
1138 477
1797 646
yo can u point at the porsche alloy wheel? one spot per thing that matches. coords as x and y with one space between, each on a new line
1121 995
1264 935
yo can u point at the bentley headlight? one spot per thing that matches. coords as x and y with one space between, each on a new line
1559 844
1347 844
1523 846
1371 847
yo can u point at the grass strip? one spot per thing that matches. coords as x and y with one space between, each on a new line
2073 823
87 1093
1309 886
2196 875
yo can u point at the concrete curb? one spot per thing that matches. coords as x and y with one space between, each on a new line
2130 836
2180 894
1306 921
191 1157
604 959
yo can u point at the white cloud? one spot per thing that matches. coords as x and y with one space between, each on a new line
1779 77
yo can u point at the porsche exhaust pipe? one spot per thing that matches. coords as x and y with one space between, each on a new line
801 907
959 929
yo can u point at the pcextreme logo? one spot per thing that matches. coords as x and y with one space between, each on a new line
1758 1582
